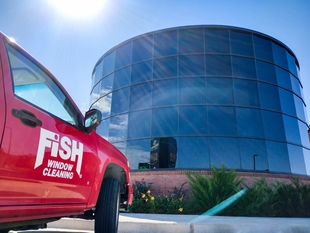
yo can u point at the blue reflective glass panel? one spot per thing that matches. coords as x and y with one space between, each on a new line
123 56
221 120
97 73
93 80
263 49
106 85
218 65
287 102
140 96
241 43
279 54
283 78
139 124
296 86
95 94
103 128
122 78
269 97
220 91
246 93
141 72
142 48
193 120
243 67
104 105
193 153
224 151
278 157
191 65
138 151
307 160
190 41
165 122
192 91
217 41
165 43
291 130
273 125
165 67
306 114
249 122
120 101
305 138
108 64
300 109
165 92
296 157
292 64
118 128
93 98
266 72
253 154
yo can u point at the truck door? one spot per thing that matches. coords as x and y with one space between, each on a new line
45 157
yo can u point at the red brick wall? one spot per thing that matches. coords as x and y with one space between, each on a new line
164 181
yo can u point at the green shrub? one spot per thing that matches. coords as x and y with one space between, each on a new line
210 191
258 201
292 200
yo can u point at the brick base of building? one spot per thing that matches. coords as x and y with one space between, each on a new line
164 181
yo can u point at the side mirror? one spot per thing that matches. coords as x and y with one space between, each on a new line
92 120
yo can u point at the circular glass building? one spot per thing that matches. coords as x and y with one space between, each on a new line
196 96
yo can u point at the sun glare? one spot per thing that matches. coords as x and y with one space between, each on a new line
78 8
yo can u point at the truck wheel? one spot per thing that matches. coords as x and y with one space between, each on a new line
107 208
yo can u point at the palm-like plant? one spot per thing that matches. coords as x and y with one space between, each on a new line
210 191
258 201
292 200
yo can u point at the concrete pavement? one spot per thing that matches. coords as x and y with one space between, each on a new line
149 223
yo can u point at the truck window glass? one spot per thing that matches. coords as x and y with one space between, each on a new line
33 85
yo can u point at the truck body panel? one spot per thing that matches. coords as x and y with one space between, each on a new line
50 164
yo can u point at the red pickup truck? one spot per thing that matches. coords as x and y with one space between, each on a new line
52 162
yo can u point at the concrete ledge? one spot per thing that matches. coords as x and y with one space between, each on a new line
218 224
141 223
72 223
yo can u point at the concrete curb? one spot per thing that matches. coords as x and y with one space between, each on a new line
72 223
142 223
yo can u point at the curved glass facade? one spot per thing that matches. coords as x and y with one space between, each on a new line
197 96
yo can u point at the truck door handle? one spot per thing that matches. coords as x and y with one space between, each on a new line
27 117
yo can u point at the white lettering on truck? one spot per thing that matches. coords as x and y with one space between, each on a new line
67 149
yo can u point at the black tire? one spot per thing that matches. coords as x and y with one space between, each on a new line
107 208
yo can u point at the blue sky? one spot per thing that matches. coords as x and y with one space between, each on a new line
69 47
